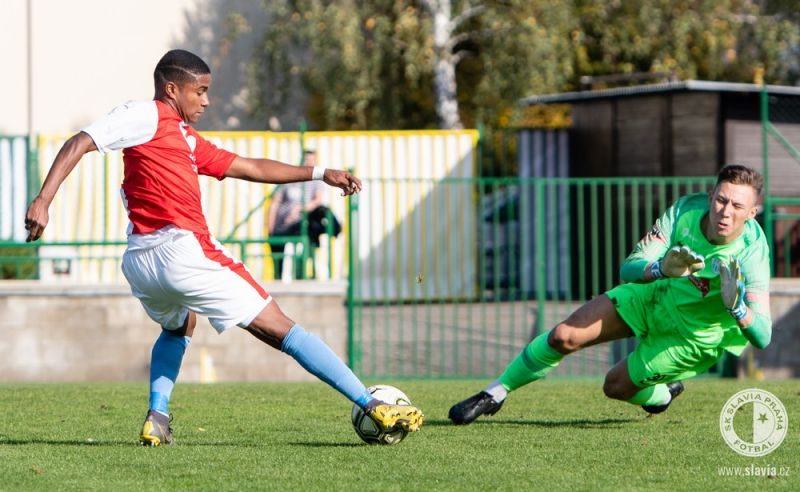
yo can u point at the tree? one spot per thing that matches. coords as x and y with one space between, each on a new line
694 39
363 64
446 56
452 63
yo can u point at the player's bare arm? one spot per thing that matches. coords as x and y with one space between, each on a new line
276 172
37 217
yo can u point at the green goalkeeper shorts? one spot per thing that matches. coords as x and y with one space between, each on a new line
663 354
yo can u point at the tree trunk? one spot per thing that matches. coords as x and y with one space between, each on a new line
444 66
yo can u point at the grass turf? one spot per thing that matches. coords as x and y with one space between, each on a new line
552 435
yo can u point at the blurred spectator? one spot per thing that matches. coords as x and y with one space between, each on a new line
286 215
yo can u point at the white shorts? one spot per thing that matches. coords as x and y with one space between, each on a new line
188 272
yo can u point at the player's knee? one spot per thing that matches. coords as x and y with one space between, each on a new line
563 338
616 389
271 326
610 389
191 322
188 326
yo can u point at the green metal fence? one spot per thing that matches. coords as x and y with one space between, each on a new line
461 282
15 171
780 124
538 249
75 261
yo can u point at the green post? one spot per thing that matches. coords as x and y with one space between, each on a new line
34 180
303 130
353 353
768 226
301 273
481 144
243 251
539 254
329 233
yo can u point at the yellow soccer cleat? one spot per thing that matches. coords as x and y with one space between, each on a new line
389 417
156 430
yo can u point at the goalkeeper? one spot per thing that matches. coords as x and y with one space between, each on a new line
698 285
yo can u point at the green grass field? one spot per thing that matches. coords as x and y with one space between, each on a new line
551 435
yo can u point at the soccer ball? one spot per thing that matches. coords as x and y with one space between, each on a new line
367 429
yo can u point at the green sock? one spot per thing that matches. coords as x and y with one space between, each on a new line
652 395
535 360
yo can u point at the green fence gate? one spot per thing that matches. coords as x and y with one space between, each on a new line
15 192
459 297
780 125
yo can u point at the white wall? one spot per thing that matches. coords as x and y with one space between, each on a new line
13 82
91 55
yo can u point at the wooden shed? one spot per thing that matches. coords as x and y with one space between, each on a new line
686 128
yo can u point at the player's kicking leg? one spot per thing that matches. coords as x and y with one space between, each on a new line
274 328
595 322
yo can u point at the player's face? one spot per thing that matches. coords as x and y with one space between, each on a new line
191 98
730 206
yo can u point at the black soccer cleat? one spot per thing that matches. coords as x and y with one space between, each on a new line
156 430
464 412
675 389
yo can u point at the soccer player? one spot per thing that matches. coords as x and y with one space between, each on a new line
175 267
698 284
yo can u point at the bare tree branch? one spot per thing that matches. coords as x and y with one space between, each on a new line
469 12
460 55
472 35
459 38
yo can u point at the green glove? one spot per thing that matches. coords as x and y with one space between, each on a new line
732 289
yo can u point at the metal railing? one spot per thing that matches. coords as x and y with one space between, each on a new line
780 134
461 298
93 261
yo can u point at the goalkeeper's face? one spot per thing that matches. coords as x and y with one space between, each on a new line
730 207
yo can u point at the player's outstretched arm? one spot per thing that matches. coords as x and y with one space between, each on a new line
276 172
651 248
756 327
37 216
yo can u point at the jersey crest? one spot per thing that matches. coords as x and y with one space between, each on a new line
702 284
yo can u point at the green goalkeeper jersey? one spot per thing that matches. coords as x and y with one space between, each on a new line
695 301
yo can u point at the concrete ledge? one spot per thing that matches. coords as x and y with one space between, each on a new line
784 287
91 333
781 359
87 332
35 288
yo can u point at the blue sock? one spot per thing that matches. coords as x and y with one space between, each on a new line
318 359
165 362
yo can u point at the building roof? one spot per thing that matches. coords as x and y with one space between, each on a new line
637 90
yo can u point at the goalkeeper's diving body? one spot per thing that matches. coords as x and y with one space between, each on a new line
697 286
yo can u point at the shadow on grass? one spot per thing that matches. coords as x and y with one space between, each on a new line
328 444
6 441
577 423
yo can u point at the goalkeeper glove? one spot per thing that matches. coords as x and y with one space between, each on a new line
731 288
679 261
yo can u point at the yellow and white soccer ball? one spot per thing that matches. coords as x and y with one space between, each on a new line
367 429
